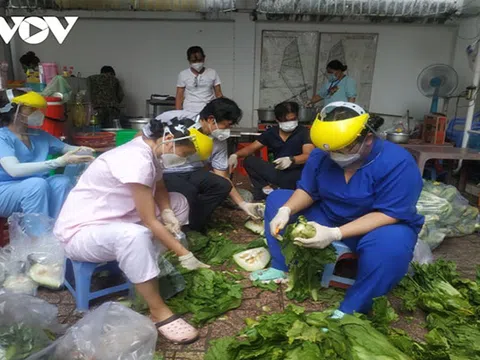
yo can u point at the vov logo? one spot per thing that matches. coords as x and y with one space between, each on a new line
43 24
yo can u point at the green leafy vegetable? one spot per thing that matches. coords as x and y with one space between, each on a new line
305 265
208 294
294 334
271 286
18 341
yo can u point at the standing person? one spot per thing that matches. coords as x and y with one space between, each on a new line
290 144
107 95
197 85
25 184
121 210
206 189
340 87
358 189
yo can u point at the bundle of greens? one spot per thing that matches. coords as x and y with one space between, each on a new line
453 307
19 341
215 248
208 294
305 265
294 334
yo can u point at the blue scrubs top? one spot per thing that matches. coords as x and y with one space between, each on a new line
389 182
42 145
338 90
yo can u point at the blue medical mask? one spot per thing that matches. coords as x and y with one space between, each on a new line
331 77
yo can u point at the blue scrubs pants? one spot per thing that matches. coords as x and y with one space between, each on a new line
383 254
34 195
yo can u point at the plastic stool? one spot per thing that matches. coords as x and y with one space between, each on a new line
262 153
82 273
328 278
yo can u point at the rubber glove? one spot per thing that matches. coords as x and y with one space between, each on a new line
71 158
308 103
324 236
85 150
280 220
283 163
233 162
254 210
190 262
170 221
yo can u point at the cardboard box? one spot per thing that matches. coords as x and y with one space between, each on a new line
434 129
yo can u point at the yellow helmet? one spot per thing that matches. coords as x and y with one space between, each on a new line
335 135
31 99
203 143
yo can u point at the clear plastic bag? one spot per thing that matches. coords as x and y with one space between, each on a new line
58 85
447 213
26 325
33 244
111 332
15 267
422 253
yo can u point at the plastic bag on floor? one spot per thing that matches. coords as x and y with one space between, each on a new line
33 243
422 253
13 273
111 332
27 325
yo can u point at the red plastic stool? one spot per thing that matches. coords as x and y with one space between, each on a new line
262 153
4 238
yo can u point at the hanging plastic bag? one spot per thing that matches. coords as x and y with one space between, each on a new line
26 325
58 85
33 243
111 332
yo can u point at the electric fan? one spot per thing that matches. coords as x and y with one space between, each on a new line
437 81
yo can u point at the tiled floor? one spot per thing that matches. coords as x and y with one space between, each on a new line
465 251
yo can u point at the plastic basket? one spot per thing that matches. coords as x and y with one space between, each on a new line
124 136
456 127
94 139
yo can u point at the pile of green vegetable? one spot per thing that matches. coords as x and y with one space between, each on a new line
446 212
215 248
208 294
295 334
305 265
19 341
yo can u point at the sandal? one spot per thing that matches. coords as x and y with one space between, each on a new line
177 330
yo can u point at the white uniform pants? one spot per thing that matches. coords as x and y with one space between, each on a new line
132 245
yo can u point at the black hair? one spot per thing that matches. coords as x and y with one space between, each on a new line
222 109
107 69
29 60
337 65
281 110
194 50
178 128
6 118
343 113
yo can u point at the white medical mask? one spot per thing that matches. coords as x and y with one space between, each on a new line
172 160
288 126
221 134
331 77
35 119
343 160
197 66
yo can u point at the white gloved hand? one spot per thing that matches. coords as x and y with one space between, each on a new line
309 103
280 220
324 236
254 210
233 162
85 150
190 262
283 163
170 221
71 158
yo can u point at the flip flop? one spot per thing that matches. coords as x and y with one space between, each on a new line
177 330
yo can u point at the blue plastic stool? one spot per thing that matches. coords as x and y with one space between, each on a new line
82 273
328 278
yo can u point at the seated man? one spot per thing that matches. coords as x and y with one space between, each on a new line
206 190
290 145
106 94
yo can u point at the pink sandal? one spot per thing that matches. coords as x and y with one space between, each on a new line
177 330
